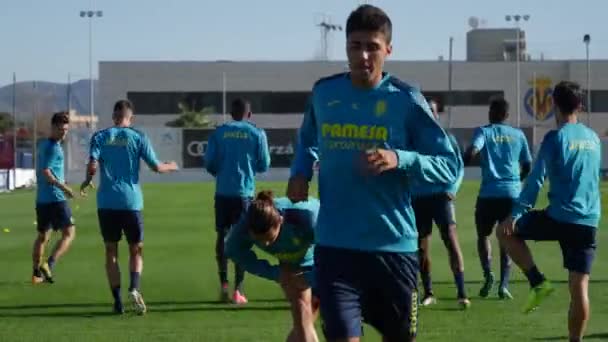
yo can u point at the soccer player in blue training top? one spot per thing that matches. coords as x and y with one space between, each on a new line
117 152
286 231
570 158
505 160
236 151
435 202
372 134
52 209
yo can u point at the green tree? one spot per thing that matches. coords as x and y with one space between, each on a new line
190 118
6 122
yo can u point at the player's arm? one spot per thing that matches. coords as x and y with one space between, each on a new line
430 157
211 155
263 158
91 169
525 158
477 144
306 214
49 177
536 178
239 248
149 157
306 154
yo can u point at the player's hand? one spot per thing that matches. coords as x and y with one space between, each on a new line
67 191
172 166
507 226
380 160
84 186
297 189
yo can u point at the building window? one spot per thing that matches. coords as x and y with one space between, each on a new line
261 102
463 97
599 101
269 102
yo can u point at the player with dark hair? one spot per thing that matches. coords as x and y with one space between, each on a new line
570 158
286 231
117 153
52 192
435 202
236 151
373 134
505 161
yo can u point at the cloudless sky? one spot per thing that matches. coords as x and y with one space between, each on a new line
46 40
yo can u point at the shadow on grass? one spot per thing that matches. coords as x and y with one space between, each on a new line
518 281
444 309
108 304
600 336
29 310
152 308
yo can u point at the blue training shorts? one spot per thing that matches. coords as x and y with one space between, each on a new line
577 241
113 223
379 288
228 210
56 215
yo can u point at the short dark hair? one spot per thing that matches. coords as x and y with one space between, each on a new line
369 18
499 109
121 105
60 118
239 108
567 97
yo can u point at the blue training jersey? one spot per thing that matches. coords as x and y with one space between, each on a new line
571 158
236 151
502 151
293 246
50 156
119 151
423 188
358 210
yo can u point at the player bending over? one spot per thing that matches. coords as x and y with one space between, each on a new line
117 152
52 209
284 230
570 158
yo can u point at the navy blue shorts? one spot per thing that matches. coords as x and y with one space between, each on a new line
228 210
56 216
377 288
491 211
114 222
576 241
438 208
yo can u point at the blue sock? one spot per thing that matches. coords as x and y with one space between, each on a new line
534 276
484 256
427 283
459 280
116 294
51 262
134 281
505 270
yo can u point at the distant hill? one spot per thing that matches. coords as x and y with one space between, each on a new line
50 97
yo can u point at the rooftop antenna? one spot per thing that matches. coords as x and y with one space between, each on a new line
326 26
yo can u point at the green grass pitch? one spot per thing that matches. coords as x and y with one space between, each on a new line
180 282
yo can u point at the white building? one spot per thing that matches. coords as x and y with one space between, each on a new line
278 90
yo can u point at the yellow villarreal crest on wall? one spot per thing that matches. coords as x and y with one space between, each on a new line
538 100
